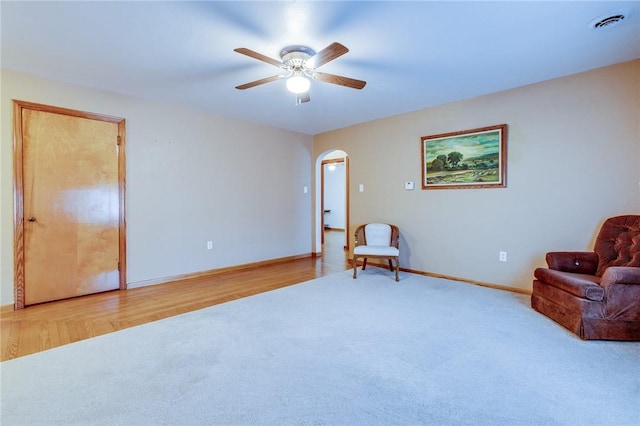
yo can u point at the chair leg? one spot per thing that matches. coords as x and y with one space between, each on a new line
355 266
390 265
397 269
364 263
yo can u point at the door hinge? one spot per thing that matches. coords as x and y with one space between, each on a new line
118 266
118 140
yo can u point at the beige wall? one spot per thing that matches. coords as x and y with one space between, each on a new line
191 177
573 160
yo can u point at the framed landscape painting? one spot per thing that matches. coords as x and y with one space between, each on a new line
475 158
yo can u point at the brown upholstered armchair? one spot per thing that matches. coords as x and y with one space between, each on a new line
596 295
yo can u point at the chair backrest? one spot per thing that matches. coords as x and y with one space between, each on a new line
618 243
377 234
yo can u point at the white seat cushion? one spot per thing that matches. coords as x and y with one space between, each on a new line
376 250
377 234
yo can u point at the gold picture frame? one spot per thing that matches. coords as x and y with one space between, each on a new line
475 158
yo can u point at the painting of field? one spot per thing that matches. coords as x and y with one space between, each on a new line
464 159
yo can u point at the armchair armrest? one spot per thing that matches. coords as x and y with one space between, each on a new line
620 275
578 262
622 287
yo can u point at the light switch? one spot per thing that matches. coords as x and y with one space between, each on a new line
361 187
305 189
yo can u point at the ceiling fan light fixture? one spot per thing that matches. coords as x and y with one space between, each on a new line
298 84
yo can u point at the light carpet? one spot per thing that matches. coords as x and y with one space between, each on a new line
335 351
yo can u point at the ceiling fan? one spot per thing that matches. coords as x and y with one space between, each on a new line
300 63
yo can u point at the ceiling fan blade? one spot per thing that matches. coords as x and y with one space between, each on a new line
259 56
327 54
302 98
259 82
338 79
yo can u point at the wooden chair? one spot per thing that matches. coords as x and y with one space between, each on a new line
377 240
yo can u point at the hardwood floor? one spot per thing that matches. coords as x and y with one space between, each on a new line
41 327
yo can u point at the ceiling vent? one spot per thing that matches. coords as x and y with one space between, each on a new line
611 20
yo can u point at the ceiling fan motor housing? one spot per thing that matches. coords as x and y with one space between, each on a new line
294 57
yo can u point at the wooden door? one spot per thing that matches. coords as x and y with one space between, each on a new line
69 203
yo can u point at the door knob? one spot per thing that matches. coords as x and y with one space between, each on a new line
32 219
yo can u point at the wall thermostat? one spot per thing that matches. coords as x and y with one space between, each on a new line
408 185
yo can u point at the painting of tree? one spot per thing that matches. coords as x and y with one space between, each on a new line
473 158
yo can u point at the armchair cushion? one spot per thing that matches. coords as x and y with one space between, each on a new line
376 250
581 285
377 234
618 243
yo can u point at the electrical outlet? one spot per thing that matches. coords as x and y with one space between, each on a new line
209 245
503 256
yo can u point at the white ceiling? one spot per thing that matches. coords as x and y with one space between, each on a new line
413 55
